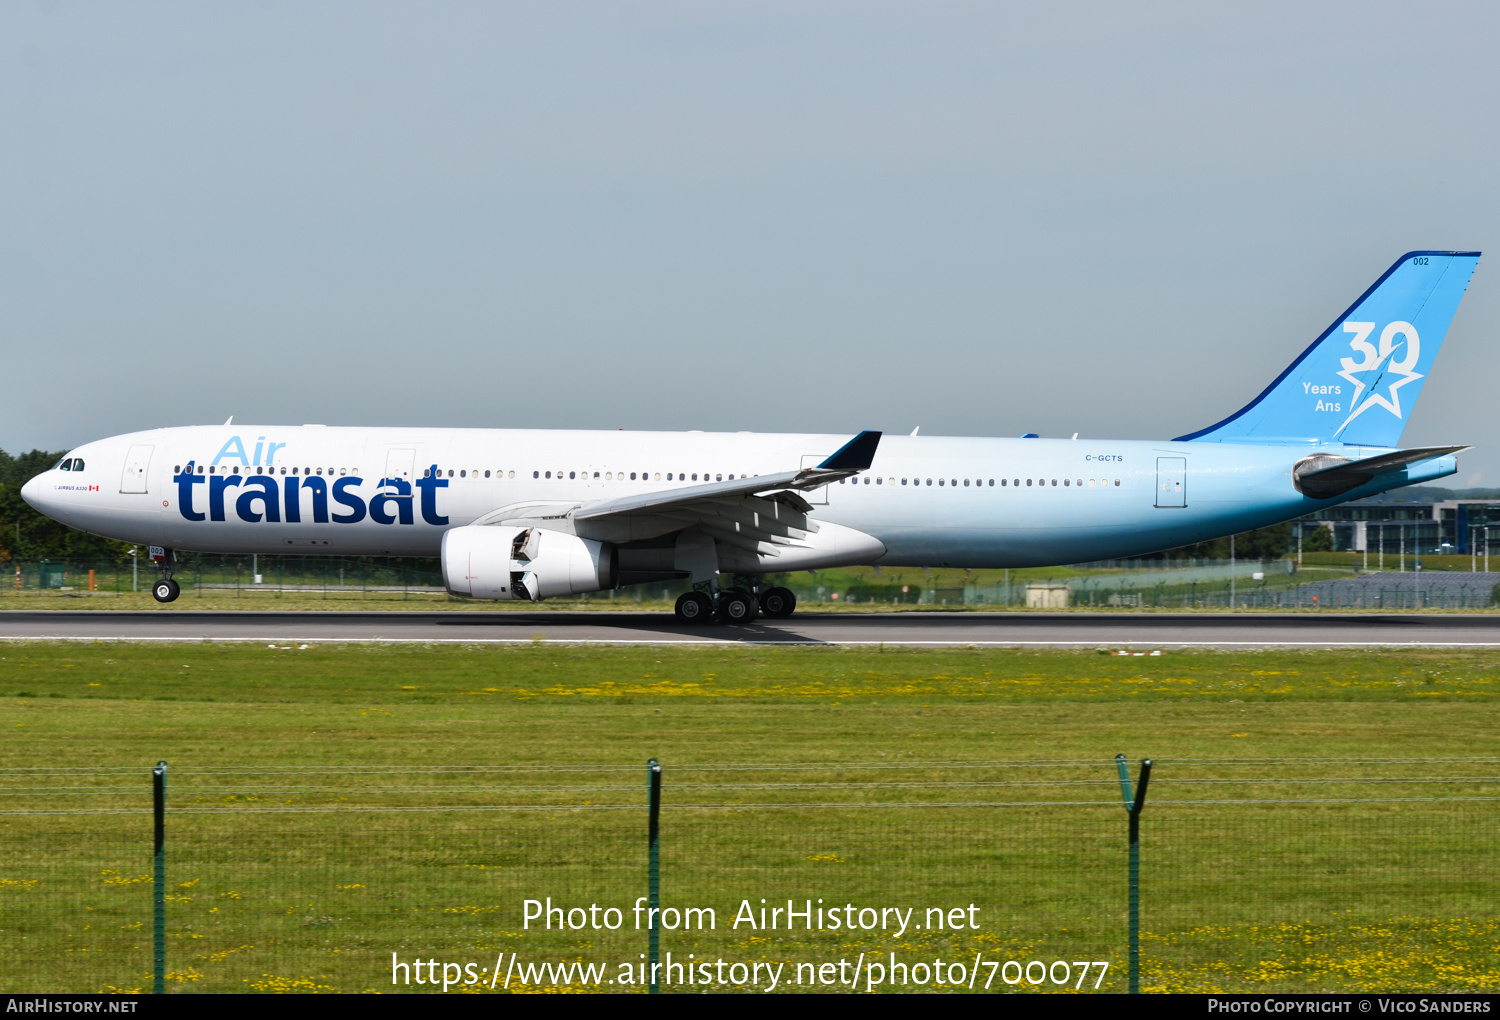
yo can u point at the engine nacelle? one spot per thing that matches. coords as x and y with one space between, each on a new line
503 563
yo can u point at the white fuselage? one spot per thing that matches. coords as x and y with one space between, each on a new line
928 501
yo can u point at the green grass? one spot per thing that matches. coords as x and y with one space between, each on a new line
318 892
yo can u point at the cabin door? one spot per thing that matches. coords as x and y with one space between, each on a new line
1171 481
133 478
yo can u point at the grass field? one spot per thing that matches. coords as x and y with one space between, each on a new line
318 821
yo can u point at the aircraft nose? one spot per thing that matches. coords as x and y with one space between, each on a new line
31 492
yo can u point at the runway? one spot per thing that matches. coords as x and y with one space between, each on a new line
1136 631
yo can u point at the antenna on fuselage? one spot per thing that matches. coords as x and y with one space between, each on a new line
229 420
915 430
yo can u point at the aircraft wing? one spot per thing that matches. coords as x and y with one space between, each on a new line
758 514
850 459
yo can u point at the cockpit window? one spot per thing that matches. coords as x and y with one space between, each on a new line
77 463
66 464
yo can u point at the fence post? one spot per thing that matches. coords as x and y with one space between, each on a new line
653 857
159 878
1134 804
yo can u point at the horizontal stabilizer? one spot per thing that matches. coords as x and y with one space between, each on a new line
1325 476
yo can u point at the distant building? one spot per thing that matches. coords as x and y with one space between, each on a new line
1426 528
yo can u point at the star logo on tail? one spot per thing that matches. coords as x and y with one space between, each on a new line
1391 366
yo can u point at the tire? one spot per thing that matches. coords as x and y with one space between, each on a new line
736 607
778 603
165 591
694 607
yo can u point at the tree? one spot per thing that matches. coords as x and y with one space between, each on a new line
1317 538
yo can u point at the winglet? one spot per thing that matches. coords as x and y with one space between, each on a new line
855 455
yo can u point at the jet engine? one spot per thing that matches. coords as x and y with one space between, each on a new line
503 563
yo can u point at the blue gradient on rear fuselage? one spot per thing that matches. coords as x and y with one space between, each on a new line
1229 488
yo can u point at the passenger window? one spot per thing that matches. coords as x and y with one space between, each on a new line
549 474
200 469
536 474
718 478
1065 482
511 475
486 474
903 481
966 483
1002 482
669 476
572 475
658 477
1117 482
596 474
929 481
1028 483
992 483
1078 482
941 481
463 474
881 481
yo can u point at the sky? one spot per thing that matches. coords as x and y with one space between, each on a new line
1120 220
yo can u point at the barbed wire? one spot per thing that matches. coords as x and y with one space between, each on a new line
187 770
758 806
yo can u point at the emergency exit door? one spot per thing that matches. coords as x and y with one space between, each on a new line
401 463
1171 481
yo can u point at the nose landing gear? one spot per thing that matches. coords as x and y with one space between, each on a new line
165 590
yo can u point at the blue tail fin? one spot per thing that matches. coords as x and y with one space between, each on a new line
1359 381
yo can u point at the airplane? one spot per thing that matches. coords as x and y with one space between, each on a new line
527 515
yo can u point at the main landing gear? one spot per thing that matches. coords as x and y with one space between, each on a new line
778 603
735 605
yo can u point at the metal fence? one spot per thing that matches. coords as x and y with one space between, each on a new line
1315 874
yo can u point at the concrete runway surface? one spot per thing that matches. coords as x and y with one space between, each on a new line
1063 630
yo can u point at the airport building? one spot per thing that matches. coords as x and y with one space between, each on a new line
1452 526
